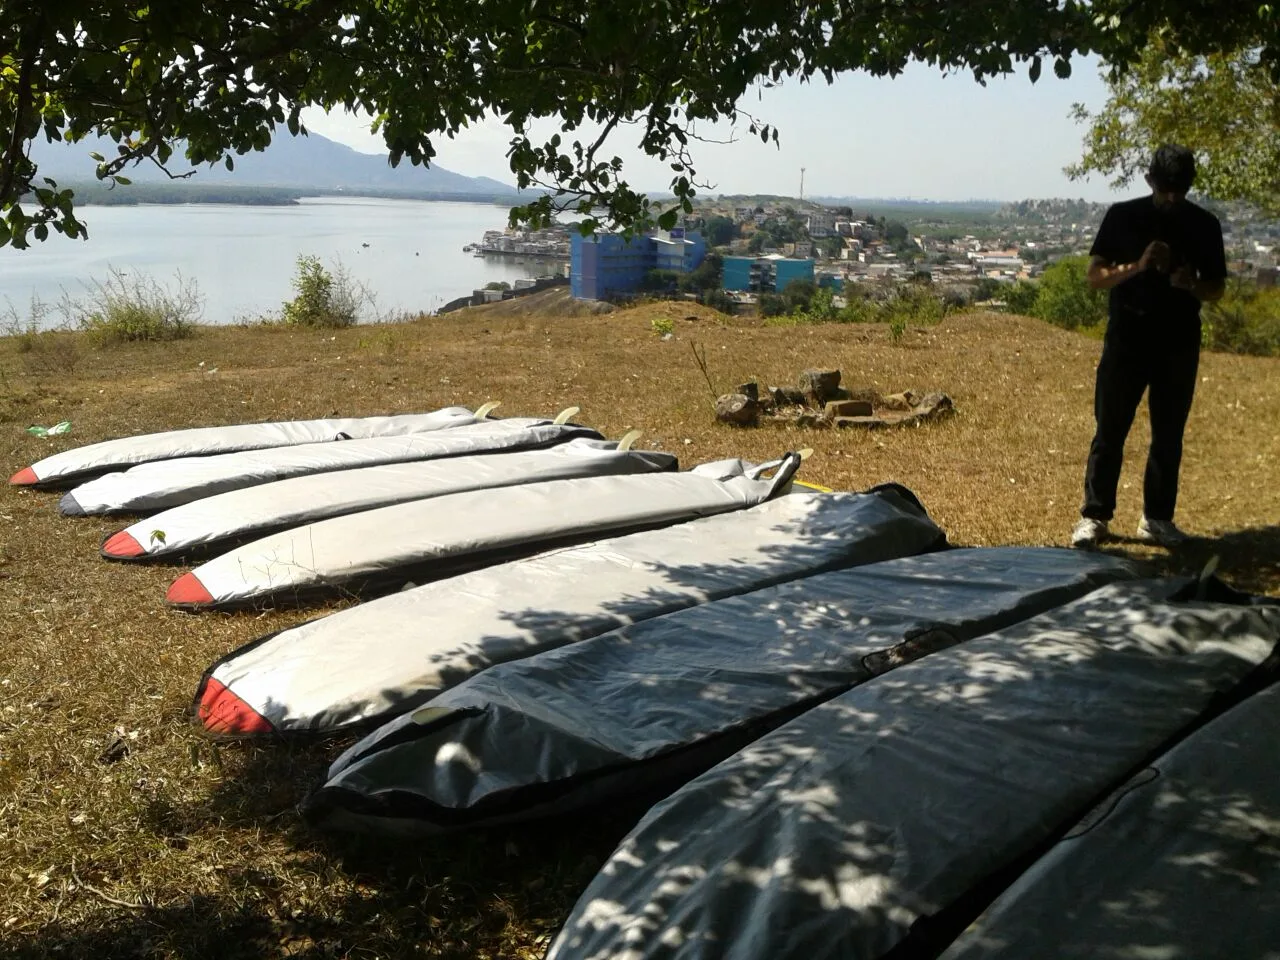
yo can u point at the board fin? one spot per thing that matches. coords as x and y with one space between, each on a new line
485 409
629 440
563 416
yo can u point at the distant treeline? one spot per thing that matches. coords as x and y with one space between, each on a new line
102 194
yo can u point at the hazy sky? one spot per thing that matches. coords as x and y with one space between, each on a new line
921 135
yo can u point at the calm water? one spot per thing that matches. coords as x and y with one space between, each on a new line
243 258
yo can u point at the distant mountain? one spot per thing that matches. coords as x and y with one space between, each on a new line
310 162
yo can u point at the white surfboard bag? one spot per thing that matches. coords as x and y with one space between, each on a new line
171 483
374 661
79 463
255 511
429 539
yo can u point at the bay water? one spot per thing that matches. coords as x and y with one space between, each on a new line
407 253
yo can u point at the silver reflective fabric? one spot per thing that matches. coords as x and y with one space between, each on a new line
170 483
125 452
468 530
385 657
238 514
1182 863
838 832
658 702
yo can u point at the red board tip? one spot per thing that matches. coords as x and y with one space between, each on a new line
221 711
24 477
122 546
187 590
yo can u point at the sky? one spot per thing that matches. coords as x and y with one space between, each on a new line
922 135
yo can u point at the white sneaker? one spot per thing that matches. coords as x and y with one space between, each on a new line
1089 533
1161 532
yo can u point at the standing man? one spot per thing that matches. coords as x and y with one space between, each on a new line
1161 257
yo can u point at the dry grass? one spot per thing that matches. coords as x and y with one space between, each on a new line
123 834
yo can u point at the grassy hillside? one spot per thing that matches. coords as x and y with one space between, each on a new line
124 834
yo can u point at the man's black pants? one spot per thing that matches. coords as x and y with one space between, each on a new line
1123 374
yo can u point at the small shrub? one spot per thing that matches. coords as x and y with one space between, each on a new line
772 305
324 299
1064 297
1020 297
1245 320
662 326
126 308
897 327
717 299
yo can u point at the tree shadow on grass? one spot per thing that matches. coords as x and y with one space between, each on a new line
1249 559
497 893
202 927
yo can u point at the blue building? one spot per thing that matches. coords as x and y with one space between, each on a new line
764 274
605 264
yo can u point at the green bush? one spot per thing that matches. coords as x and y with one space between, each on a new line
127 307
1064 297
46 350
772 305
324 299
1020 297
718 300
660 281
820 307
988 288
910 304
1245 320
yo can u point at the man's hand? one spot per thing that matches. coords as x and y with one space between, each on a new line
1156 256
1184 278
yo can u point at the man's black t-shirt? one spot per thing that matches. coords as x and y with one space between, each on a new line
1146 310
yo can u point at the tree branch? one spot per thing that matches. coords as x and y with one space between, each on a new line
16 138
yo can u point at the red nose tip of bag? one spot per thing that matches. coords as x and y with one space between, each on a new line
220 711
188 591
122 546
24 477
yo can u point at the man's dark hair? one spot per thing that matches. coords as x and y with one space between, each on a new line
1173 168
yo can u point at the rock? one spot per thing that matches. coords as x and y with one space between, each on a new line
819 386
870 394
737 409
861 422
906 400
848 408
787 397
931 407
934 405
810 420
750 389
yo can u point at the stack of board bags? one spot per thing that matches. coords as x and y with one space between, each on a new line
840 736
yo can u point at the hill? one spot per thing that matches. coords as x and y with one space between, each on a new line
124 834
299 163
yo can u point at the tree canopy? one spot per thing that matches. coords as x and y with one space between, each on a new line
1225 106
216 80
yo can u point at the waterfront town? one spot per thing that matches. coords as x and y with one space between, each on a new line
766 243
